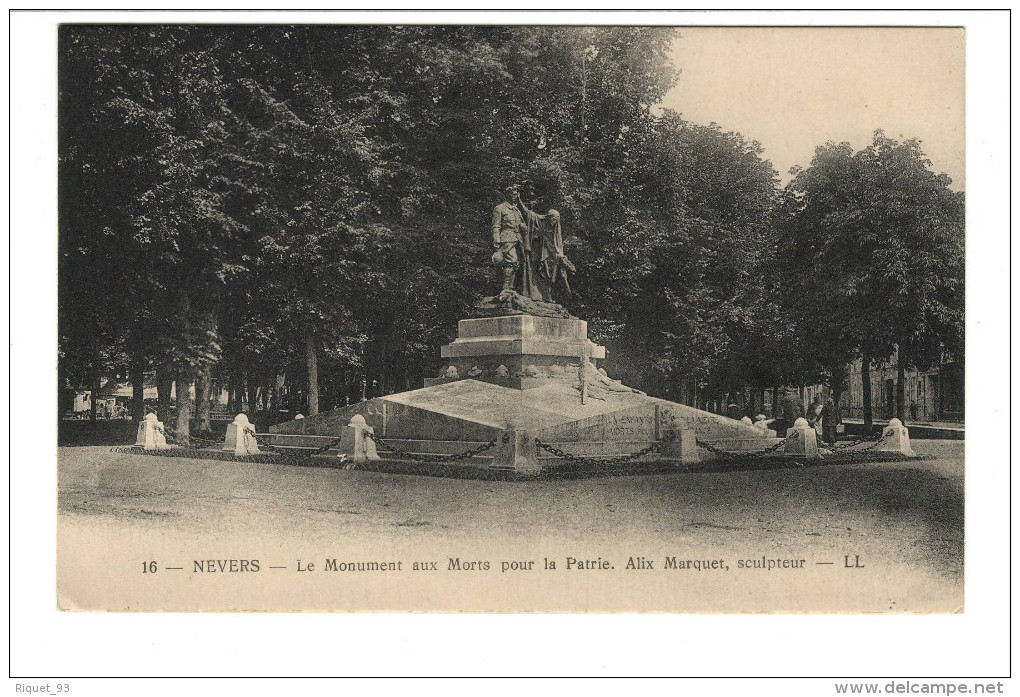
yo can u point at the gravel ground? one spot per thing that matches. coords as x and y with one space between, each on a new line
907 514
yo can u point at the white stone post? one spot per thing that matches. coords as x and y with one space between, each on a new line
240 438
355 442
150 434
516 450
683 447
802 440
895 439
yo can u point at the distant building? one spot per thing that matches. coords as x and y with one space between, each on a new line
106 406
928 395
82 401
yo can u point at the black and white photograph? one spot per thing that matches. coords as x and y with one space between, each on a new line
477 317
584 317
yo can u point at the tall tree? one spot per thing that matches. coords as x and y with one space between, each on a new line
878 251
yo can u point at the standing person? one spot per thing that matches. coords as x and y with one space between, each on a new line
792 409
734 411
814 415
831 419
507 228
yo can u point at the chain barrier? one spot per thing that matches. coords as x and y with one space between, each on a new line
388 447
867 453
594 465
319 451
249 436
742 453
172 437
270 457
306 454
874 440
603 461
205 445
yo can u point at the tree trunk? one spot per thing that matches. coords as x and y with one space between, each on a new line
837 392
837 385
203 408
235 407
313 376
163 385
253 395
270 391
183 427
281 380
866 393
182 375
775 402
901 370
267 394
138 390
938 392
94 401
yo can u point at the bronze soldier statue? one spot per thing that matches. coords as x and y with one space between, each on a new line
507 230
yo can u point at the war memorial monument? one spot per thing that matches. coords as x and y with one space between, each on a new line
521 389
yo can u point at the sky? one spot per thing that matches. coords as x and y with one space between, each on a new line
793 89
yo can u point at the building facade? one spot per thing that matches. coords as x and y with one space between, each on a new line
928 395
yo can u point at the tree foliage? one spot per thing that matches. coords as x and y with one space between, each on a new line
235 199
878 256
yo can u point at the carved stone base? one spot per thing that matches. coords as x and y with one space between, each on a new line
526 349
510 302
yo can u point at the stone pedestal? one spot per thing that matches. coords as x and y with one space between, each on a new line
150 434
802 440
519 351
240 438
516 450
355 442
682 448
512 379
895 439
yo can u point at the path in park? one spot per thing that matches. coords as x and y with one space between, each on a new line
905 517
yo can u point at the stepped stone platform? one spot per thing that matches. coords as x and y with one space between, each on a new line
537 394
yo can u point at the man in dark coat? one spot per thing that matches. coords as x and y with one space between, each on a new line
831 418
791 409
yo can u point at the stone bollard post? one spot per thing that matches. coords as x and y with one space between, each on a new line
355 443
895 439
516 450
683 447
802 440
240 438
150 434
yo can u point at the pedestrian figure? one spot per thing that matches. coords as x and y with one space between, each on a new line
814 415
790 409
831 419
